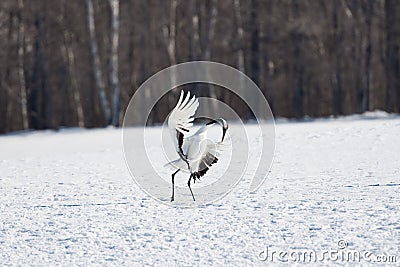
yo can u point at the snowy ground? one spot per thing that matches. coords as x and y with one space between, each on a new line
67 198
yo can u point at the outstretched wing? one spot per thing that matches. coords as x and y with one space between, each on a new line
208 158
181 119
206 162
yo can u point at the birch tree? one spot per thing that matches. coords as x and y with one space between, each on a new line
114 4
21 72
206 45
96 63
70 58
240 37
169 34
332 57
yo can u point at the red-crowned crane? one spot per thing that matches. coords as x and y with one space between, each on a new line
196 152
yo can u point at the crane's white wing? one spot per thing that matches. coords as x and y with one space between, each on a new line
181 119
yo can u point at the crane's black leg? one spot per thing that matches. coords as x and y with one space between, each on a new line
173 184
191 175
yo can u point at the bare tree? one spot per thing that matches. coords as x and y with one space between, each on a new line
337 81
255 42
203 25
353 9
114 4
194 29
239 40
297 40
96 63
56 72
169 34
368 7
21 72
40 101
392 53
266 62
70 56
206 43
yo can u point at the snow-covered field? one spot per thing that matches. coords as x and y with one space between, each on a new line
67 198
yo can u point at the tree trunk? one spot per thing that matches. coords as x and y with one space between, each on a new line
297 39
169 33
357 67
21 72
114 4
337 84
240 50
96 63
194 37
255 43
368 51
194 30
207 42
392 54
39 102
240 37
70 56
266 62
206 53
5 92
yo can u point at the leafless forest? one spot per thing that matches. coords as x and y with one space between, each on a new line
70 63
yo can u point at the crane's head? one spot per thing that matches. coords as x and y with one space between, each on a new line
224 126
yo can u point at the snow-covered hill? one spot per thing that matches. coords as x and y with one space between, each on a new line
67 198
